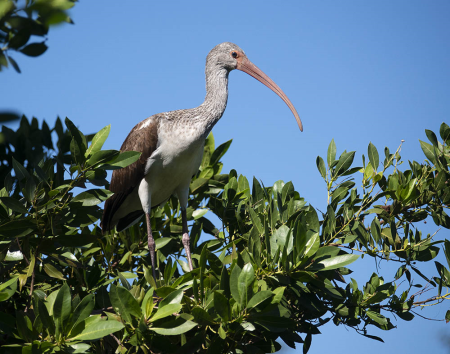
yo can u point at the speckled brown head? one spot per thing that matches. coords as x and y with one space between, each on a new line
230 57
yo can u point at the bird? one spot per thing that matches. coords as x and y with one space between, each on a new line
171 146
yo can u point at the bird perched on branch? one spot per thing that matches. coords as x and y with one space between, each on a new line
171 146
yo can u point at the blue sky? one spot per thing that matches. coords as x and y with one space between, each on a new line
356 72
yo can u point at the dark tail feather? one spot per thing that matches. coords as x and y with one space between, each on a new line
112 204
129 220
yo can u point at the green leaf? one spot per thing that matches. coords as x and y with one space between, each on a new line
14 204
24 326
186 326
161 242
102 156
98 330
234 283
307 343
98 140
330 220
63 304
245 280
8 116
17 228
8 289
53 272
219 152
92 197
444 132
258 298
331 153
34 49
47 321
373 337
279 238
165 311
5 7
373 156
75 151
375 229
428 151
8 283
14 64
174 297
439 180
29 191
335 262
123 160
376 317
221 305
83 310
248 326
222 333
447 251
345 161
312 244
432 137
197 214
148 304
321 167
20 171
124 303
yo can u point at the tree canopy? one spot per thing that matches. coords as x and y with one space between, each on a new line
274 269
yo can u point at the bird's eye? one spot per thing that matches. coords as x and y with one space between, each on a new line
234 54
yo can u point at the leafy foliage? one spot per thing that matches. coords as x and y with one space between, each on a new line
19 23
274 269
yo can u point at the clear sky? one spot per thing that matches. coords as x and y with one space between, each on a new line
357 71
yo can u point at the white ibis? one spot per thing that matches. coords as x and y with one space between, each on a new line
171 144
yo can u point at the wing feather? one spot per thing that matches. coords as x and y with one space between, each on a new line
142 138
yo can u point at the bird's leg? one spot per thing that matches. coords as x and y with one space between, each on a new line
186 240
151 244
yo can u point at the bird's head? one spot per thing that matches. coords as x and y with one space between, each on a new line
229 56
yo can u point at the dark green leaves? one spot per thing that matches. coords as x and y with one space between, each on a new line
97 329
331 153
34 49
20 171
377 318
124 159
98 140
373 156
222 306
444 132
62 306
428 150
92 197
258 298
14 204
321 167
344 162
274 267
124 303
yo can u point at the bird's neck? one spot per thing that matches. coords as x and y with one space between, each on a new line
211 110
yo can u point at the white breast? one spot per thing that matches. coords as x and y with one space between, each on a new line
170 168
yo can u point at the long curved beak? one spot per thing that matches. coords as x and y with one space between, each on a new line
248 67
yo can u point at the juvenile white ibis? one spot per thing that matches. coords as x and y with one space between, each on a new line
171 144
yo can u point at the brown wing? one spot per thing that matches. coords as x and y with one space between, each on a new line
143 138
